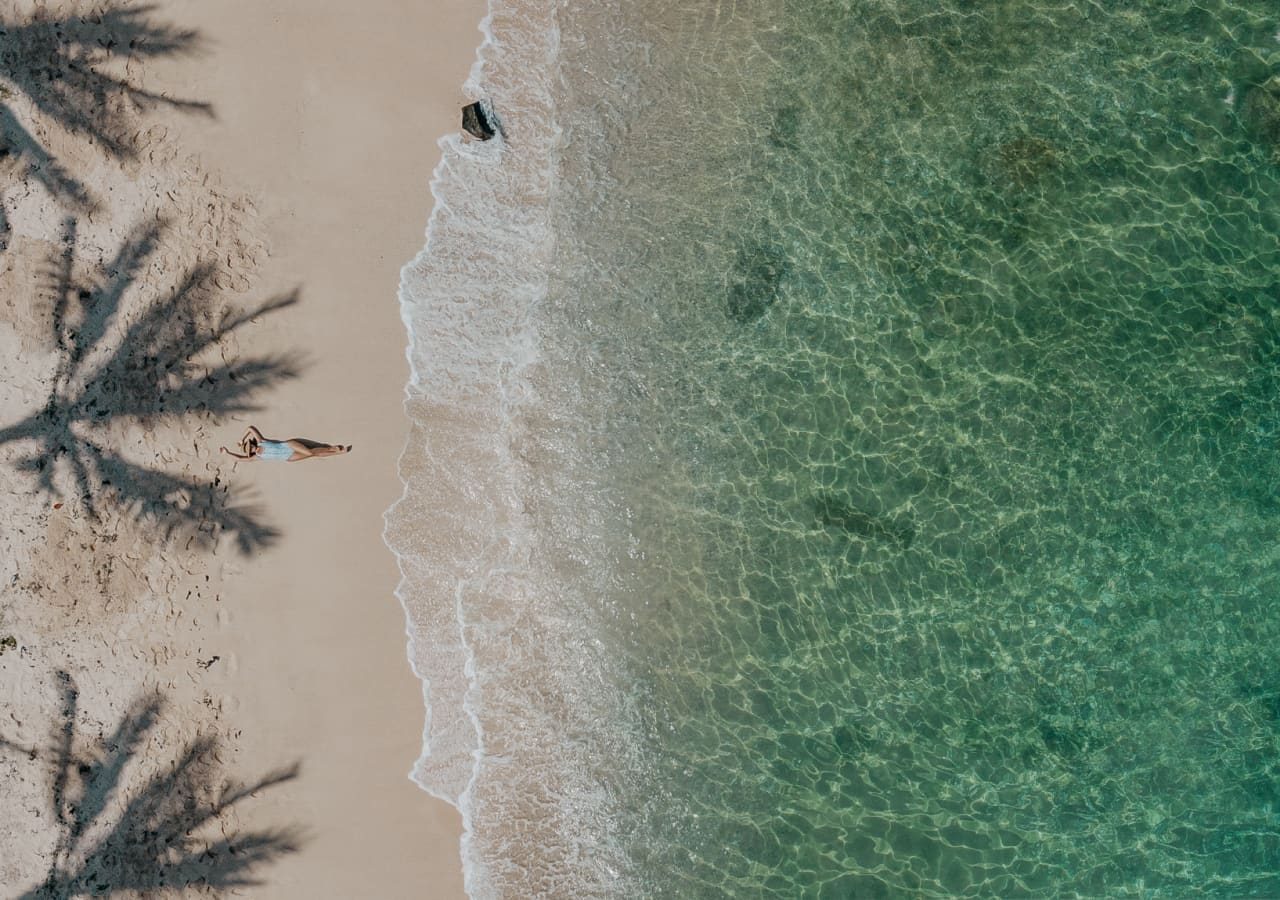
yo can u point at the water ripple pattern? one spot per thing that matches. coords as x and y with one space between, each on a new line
917 363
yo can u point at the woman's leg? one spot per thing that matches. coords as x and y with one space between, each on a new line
306 449
300 450
328 450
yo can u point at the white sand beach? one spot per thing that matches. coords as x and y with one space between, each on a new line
202 662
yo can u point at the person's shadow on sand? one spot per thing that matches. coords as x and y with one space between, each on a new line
164 832
149 362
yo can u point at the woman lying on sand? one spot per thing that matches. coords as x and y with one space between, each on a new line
256 446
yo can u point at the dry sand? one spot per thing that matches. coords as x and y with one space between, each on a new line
167 646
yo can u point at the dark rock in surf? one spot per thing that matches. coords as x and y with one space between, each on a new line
476 123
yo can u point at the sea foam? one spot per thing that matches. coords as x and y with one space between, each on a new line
506 670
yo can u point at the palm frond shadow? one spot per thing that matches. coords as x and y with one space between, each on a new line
37 163
170 834
59 64
165 363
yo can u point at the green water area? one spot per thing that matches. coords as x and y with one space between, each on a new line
940 349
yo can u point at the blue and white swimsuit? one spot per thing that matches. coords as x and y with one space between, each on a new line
274 450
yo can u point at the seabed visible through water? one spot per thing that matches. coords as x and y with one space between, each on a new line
910 376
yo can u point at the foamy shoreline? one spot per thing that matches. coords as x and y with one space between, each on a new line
324 130
511 663
467 301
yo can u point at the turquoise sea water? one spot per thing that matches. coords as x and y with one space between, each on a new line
926 360
900 454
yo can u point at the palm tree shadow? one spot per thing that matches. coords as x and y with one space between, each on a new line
59 65
171 831
16 143
148 364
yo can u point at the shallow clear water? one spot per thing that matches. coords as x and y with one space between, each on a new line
902 446
932 355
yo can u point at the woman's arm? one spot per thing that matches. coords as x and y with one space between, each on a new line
236 455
